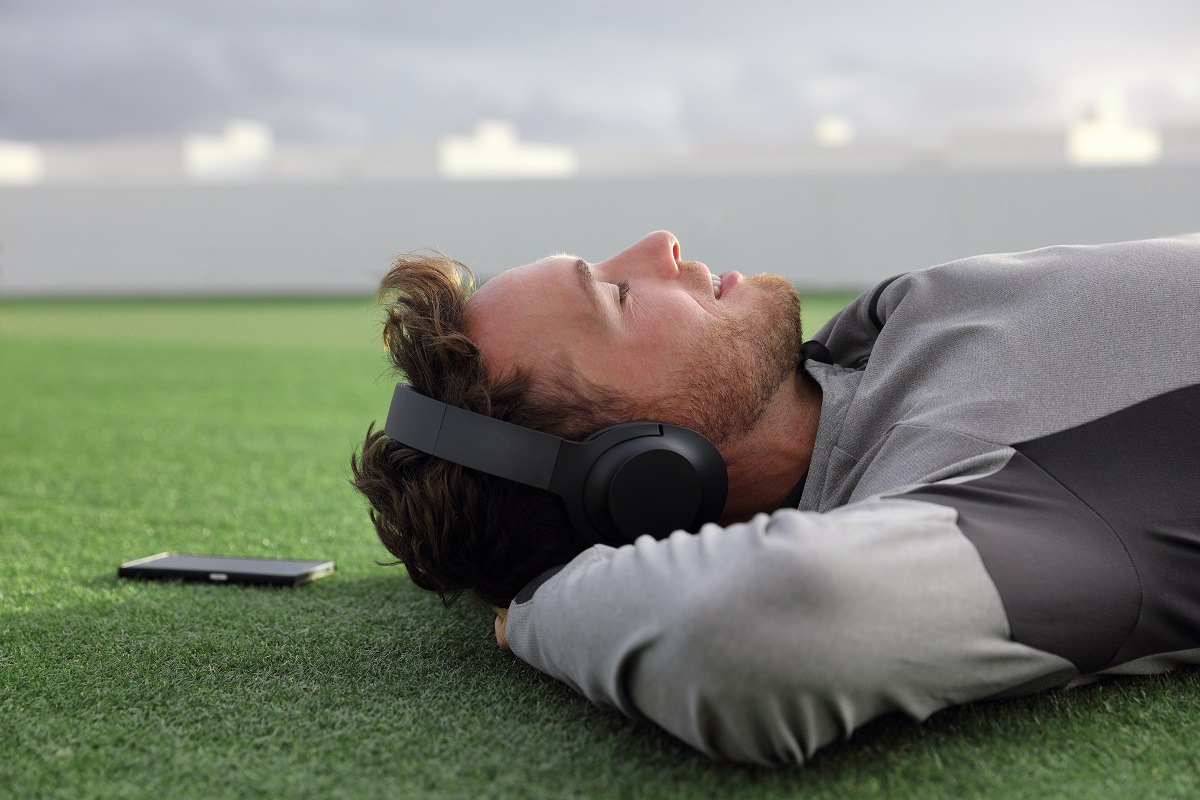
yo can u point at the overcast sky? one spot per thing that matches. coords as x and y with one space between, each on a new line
355 71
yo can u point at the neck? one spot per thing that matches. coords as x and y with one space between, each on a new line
767 463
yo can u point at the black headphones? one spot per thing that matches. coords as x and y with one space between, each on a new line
619 483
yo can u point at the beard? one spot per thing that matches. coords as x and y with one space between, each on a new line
726 392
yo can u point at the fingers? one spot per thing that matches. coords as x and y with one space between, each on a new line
501 640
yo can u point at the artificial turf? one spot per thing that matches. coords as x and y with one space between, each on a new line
224 427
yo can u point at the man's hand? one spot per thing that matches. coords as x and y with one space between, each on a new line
501 618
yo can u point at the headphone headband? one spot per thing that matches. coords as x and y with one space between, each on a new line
455 434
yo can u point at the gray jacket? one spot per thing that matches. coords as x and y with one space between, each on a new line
1004 497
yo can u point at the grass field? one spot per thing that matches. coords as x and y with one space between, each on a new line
129 428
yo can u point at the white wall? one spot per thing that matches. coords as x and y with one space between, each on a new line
823 230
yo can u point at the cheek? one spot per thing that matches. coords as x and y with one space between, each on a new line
675 338
658 328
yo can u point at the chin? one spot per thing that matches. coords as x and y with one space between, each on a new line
772 281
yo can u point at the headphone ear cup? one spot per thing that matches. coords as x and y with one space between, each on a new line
656 485
654 491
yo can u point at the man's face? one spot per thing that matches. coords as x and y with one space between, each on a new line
700 351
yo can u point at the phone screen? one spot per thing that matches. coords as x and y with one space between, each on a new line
227 569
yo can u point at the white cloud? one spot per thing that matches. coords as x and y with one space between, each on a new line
240 151
493 151
21 163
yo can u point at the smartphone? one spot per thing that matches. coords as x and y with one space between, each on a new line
224 569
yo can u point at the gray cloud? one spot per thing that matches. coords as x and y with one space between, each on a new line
378 69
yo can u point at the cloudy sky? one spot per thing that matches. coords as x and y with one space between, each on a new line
619 71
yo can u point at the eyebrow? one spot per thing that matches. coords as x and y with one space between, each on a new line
588 282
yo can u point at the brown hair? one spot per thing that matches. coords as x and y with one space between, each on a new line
453 528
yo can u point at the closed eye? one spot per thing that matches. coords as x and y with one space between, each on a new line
622 291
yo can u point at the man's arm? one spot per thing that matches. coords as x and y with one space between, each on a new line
764 641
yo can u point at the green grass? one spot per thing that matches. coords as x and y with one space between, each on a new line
129 428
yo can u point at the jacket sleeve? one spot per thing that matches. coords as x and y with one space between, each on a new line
764 641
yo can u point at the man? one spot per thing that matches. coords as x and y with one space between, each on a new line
979 480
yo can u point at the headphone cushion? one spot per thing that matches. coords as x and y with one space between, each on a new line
660 479
655 491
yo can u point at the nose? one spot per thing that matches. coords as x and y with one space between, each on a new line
656 253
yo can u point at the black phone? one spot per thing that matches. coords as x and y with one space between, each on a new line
225 569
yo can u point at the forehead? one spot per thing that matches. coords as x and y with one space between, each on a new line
528 311
513 285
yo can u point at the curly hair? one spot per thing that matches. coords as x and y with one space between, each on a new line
455 529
